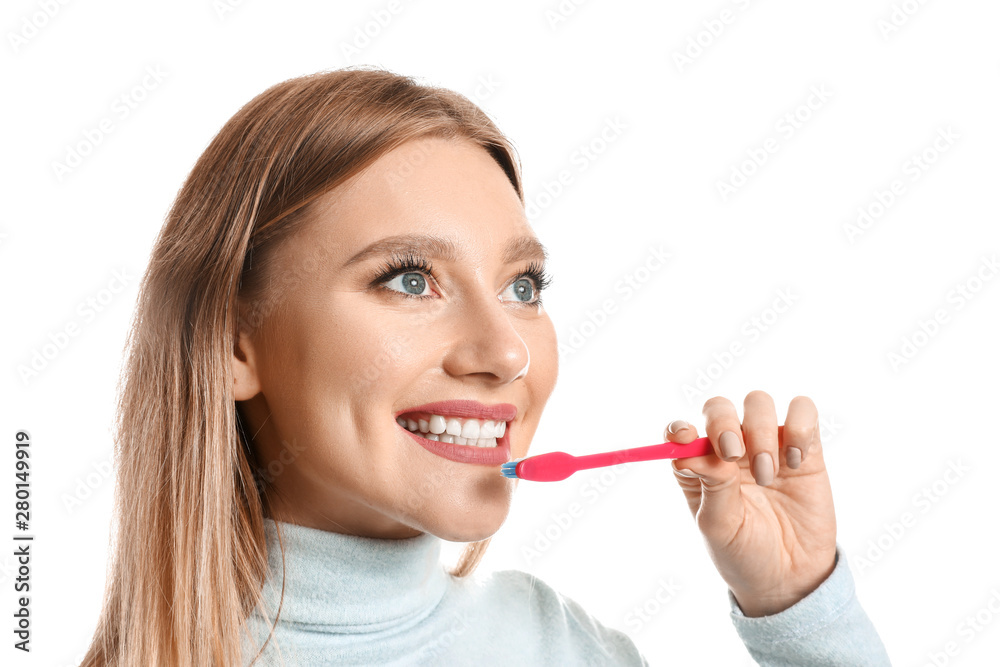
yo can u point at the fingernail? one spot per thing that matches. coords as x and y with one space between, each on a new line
793 457
676 426
686 473
763 469
732 448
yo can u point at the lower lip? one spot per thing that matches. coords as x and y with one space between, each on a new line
487 456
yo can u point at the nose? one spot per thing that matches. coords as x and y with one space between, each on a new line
486 343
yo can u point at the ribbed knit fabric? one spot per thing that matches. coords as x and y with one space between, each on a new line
352 600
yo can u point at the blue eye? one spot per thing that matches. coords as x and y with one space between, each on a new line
411 283
523 287
408 276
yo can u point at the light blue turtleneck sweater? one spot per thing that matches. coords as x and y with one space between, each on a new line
364 601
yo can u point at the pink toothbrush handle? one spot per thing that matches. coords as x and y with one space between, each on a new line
556 466
666 450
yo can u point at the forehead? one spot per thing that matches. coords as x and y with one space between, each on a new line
447 188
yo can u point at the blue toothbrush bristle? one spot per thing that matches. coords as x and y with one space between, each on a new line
509 469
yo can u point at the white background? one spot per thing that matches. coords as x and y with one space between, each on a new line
552 82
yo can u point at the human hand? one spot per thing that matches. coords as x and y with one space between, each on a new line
769 527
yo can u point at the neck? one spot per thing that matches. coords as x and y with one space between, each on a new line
345 581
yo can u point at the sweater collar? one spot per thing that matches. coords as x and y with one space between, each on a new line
352 583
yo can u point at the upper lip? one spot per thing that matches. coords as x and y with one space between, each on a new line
467 409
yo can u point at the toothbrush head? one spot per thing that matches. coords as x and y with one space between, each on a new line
509 469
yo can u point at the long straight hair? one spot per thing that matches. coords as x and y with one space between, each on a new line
190 552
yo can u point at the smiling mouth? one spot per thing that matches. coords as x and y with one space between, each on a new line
440 428
462 431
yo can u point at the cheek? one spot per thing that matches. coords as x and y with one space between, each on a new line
346 344
344 367
544 368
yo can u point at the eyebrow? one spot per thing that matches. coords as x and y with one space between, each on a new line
522 247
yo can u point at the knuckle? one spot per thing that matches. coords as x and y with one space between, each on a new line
760 435
798 432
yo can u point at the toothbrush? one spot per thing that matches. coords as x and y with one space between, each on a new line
556 466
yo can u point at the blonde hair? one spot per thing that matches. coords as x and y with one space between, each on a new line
190 552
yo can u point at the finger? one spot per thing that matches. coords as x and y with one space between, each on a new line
722 425
680 431
801 429
712 489
760 429
720 510
690 484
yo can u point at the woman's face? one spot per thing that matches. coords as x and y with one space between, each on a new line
351 351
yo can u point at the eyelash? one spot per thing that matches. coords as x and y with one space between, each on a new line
411 263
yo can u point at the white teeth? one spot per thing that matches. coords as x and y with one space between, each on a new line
470 429
469 432
437 424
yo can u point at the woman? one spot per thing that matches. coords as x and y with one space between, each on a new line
338 340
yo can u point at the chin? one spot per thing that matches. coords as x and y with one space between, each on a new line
465 524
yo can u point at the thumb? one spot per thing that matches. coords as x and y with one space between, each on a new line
719 505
